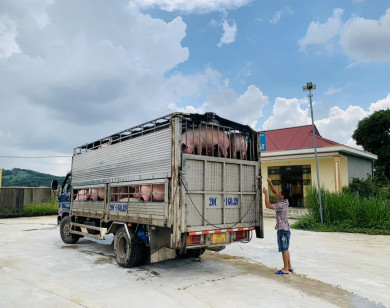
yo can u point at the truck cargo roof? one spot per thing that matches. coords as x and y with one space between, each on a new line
161 123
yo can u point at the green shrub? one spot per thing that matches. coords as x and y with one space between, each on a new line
349 212
9 213
368 188
306 222
49 207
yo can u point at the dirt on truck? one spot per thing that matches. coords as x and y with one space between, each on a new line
171 187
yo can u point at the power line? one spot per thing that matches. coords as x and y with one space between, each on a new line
57 156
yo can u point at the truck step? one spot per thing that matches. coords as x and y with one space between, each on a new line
84 231
86 234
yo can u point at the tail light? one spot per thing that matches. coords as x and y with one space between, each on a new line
240 235
193 240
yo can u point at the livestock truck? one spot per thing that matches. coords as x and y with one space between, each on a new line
171 187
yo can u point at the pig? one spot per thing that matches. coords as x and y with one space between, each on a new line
158 192
238 144
96 194
196 140
125 192
145 192
82 195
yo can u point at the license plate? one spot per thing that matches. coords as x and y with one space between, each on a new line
218 238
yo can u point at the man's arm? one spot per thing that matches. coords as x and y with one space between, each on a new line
268 205
272 186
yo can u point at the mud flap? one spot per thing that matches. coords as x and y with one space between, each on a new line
160 239
162 254
259 232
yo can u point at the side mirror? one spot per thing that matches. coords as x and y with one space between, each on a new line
54 185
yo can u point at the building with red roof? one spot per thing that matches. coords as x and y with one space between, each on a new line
288 158
292 138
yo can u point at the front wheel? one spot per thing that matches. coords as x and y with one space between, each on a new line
66 236
127 253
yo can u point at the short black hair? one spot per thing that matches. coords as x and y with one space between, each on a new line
285 193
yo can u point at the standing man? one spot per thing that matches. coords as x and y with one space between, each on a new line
282 224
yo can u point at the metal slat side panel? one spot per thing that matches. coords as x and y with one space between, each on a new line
215 198
88 208
141 158
132 211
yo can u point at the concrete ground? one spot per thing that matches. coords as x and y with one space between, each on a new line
331 270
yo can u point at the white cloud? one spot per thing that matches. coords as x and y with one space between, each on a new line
8 34
278 15
352 143
246 108
362 40
75 82
194 85
321 33
229 33
288 113
382 104
199 6
333 90
340 124
366 40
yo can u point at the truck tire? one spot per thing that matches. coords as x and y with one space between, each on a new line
145 254
127 253
66 236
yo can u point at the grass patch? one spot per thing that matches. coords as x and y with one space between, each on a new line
346 212
49 207
9 213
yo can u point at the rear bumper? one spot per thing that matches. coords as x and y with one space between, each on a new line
221 231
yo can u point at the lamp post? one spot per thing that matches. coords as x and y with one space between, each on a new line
310 86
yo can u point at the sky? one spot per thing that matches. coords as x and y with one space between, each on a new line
72 72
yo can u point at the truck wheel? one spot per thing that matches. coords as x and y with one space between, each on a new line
127 253
145 254
66 236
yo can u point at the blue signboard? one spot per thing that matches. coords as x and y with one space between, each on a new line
263 142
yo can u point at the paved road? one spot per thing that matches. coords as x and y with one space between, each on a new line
331 270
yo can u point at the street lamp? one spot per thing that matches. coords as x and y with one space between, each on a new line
310 86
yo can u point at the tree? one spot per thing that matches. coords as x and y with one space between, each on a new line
373 134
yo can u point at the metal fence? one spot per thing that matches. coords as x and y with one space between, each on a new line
13 199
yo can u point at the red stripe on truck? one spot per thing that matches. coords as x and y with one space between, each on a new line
219 231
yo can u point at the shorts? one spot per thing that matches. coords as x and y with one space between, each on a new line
283 240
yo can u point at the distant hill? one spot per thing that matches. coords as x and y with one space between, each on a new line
27 178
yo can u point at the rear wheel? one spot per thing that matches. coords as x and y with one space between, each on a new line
127 253
66 236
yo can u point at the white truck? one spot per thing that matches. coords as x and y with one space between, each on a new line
174 186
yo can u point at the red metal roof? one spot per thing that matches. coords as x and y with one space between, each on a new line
293 138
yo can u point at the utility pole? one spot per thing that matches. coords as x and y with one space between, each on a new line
310 86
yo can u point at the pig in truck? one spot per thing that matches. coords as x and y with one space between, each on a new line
171 187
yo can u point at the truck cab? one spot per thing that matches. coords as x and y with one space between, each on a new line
63 196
